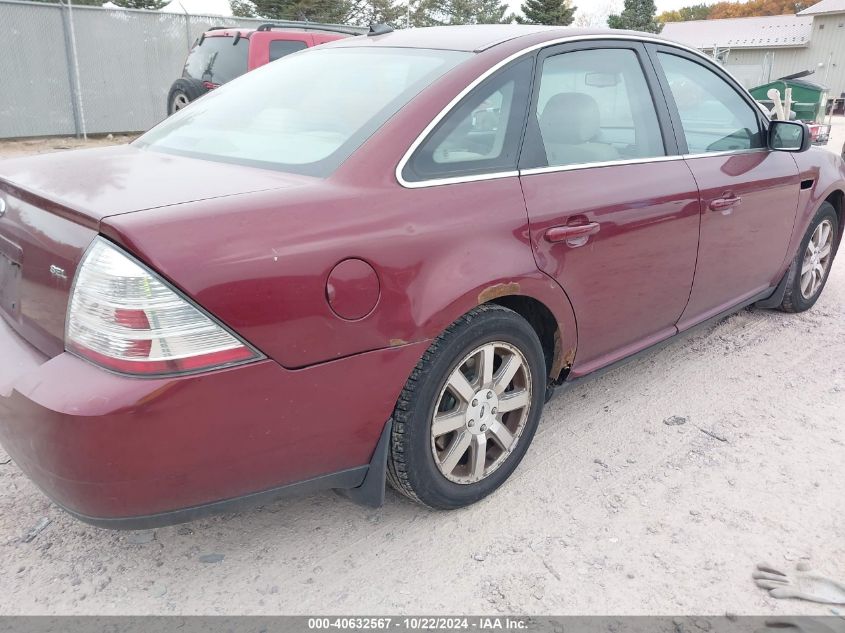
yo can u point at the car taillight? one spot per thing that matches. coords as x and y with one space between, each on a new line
124 317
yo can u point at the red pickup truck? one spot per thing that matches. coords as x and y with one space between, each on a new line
223 53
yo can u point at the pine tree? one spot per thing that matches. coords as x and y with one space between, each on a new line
444 12
242 8
330 11
366 12
638 15
152 5
551 12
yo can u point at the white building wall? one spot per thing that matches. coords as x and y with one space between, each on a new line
825 56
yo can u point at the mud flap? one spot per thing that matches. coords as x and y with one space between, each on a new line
371 491
777 296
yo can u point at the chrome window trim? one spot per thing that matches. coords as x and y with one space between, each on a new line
608 163
727 152
459 179
434 182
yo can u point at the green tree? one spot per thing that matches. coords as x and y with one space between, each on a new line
552 12
366 12
443 12
331 11
152 5
685 14
242 8
638 15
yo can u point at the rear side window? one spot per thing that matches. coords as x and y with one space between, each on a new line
594 106
217 60
280 48
482 134
715 118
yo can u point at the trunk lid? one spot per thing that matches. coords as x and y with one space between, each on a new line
107 181
53 205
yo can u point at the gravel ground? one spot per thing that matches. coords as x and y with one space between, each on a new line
614 510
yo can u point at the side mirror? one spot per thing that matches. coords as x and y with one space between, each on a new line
789 136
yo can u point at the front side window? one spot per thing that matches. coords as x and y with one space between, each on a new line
218 59
303 113
481 134
595 106
714 117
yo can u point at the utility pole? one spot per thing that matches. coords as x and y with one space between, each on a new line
73 69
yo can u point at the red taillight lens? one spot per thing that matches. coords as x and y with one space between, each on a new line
125 318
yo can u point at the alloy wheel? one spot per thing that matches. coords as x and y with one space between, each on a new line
816 259
180 100
481 412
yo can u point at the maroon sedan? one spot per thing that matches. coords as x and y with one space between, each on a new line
376 259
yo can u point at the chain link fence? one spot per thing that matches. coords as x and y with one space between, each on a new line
68 70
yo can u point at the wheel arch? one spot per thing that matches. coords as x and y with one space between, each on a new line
540 301
545 325
836 198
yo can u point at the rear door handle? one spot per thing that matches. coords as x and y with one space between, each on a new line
574 236
722 204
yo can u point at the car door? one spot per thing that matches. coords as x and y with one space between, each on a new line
749 194
613 209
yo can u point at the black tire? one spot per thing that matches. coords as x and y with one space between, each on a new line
184 88
793 299
411 467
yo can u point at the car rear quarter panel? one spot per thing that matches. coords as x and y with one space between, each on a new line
261 262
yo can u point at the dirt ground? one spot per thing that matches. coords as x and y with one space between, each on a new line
613 511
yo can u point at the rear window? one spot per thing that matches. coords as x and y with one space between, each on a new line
280 48
218 59
303 113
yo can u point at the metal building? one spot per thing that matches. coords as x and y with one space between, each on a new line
758 50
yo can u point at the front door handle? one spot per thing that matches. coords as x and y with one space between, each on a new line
574 236
723 204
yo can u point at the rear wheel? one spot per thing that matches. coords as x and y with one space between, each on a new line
178 100
469 410
182 92
811 267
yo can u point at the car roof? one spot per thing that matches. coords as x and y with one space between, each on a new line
476 37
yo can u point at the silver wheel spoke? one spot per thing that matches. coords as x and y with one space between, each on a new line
824 233
456 450
825 251
506 373
487 359
806 282
460 385
807 267
478 456
514 401
502 435
447 422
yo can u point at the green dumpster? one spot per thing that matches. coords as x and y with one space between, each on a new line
808 98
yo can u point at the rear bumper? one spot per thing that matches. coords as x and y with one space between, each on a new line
128 452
